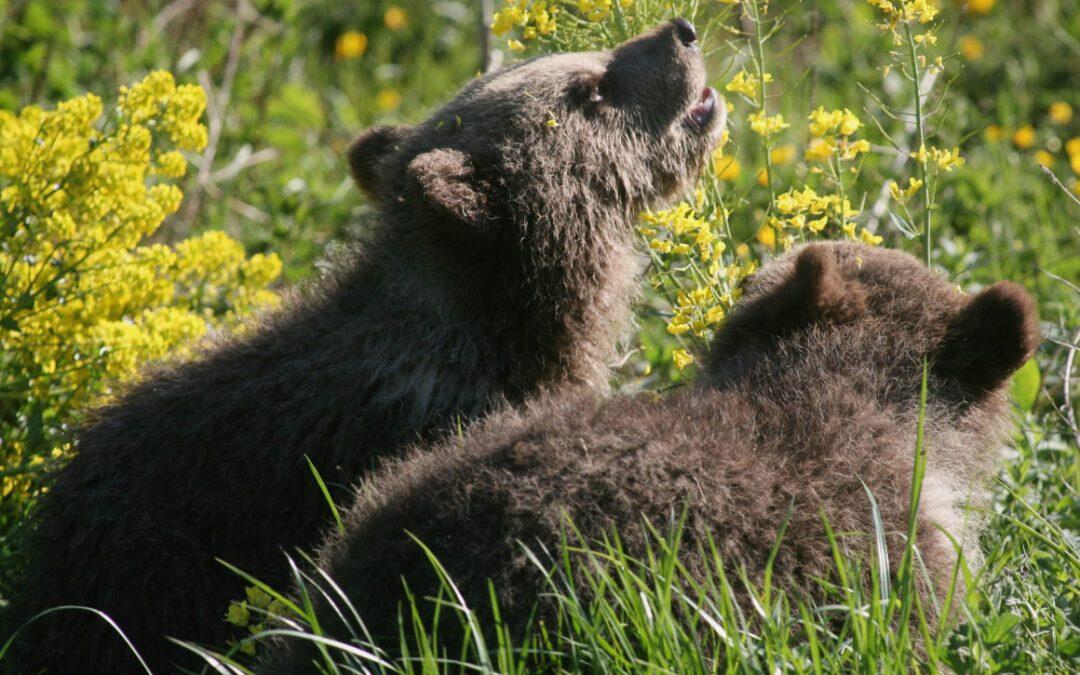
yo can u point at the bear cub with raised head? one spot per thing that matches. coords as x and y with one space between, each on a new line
811 389
501 265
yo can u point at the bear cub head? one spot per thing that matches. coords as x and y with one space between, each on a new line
575 140
871 317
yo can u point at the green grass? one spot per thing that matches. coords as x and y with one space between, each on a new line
1021 612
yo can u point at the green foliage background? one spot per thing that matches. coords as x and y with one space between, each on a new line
285 100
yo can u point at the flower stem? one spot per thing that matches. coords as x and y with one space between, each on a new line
760 63
916 77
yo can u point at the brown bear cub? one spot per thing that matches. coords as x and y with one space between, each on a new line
501 265
811 389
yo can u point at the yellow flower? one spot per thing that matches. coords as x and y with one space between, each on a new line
171 164
1072 146
766 236
820 150
552 123
869 237
678 327
895 11
824 122
850 150
350 45
727 167
763 178
971 48
766 126
747 84
1024 137
1044 158
506 19
1074 163
682 358
994 133
387 100
1060 112
979 6
782 154
85 298
902 195
515 45
395 18
945 160
598 10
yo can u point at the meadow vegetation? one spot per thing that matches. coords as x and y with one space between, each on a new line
210 170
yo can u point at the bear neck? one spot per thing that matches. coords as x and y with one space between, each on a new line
528 305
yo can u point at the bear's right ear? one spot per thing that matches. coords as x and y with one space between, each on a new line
991 337
365 152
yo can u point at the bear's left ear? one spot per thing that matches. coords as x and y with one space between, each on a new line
448 182
991 337
814 292
365 152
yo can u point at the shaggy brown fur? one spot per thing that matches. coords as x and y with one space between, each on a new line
500 265
812 386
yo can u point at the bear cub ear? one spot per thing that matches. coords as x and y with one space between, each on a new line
815 291
448 183
992 336
365 152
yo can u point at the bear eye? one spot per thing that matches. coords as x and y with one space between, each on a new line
594 94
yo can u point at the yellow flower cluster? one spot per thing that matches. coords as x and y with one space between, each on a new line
598 10
806 208
1072 148
82 297
765 126
896 11
688 235
831 132
678 230
900 194
944 159
533 18
807 211
747 84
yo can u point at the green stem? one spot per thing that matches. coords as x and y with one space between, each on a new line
760 63
916 76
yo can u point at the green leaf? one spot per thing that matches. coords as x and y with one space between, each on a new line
1070 647
1025 385
1000 628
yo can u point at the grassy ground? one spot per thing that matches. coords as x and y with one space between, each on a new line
291 83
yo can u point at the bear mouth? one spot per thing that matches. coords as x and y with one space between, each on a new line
703 112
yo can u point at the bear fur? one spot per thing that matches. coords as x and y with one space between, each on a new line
501 264
811 389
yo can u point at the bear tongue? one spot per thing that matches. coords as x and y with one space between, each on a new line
702 112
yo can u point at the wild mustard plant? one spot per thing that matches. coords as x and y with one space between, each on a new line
84 297
911 25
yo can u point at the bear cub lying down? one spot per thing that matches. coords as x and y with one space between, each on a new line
812 385
500 265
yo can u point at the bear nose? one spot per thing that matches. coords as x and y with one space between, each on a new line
685 30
